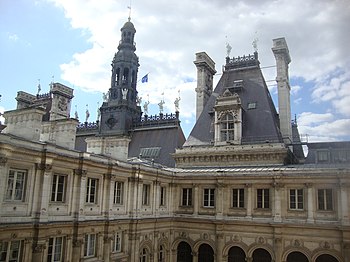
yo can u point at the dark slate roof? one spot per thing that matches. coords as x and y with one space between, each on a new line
258 125
164 138
335 153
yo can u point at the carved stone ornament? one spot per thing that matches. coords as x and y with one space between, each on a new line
3 160
261 240
111 122
38 248
46 167
62 104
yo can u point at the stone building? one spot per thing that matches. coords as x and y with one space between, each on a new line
238 189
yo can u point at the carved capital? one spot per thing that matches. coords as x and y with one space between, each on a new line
3 160
78 243
80 172
38 248
43 167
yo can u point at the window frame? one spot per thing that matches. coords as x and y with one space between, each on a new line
54 191
162 196
239 202
227 127
90 242
325 197
117 242
54 246
264 202
9 250
294 199
209 197
146 189
89 188
118 194
11 188
187 195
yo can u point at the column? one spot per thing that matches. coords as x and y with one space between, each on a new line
196 199
310 203
277 202
195 256
219 247
248 188
219 200
78 251
45 195
344 204
69 250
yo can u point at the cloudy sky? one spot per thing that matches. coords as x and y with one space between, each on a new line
74 41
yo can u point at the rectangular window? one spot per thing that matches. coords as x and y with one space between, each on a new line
58 188
91 190
187 196
145 195
90 245
209 197
296 199
322 156
16 185
55 250
118 192
263 198
10 251
325 199
117 242
238 197
162 196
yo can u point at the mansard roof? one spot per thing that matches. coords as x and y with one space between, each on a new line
260 122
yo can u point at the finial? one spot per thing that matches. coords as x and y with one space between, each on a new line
98 112
177 102
87 113
52 81
39 87
76 113
255 42
228 48
129 7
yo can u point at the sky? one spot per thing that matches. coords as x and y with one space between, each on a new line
73 42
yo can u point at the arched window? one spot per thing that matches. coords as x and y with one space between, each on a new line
261 255
184 252
297 257
161 254
227 127
144 256
117 77
125 75
236 254
326 258
205 253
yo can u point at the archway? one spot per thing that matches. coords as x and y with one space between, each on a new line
326 258
205 253
261 255
184 252
236 254
297 257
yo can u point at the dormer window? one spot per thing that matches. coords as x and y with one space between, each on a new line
227 129
228 119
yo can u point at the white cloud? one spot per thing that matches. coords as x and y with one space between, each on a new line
170 33
13 37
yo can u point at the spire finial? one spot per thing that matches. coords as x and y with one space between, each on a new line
129 7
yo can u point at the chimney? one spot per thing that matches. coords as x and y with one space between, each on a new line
205 72
281 52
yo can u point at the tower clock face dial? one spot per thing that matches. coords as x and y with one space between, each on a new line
62 104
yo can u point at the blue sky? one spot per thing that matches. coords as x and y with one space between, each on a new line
73 42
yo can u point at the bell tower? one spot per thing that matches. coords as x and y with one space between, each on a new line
120 110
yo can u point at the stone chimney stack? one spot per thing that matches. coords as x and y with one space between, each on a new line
205 72
281 52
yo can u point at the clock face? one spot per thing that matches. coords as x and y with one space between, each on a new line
62 104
